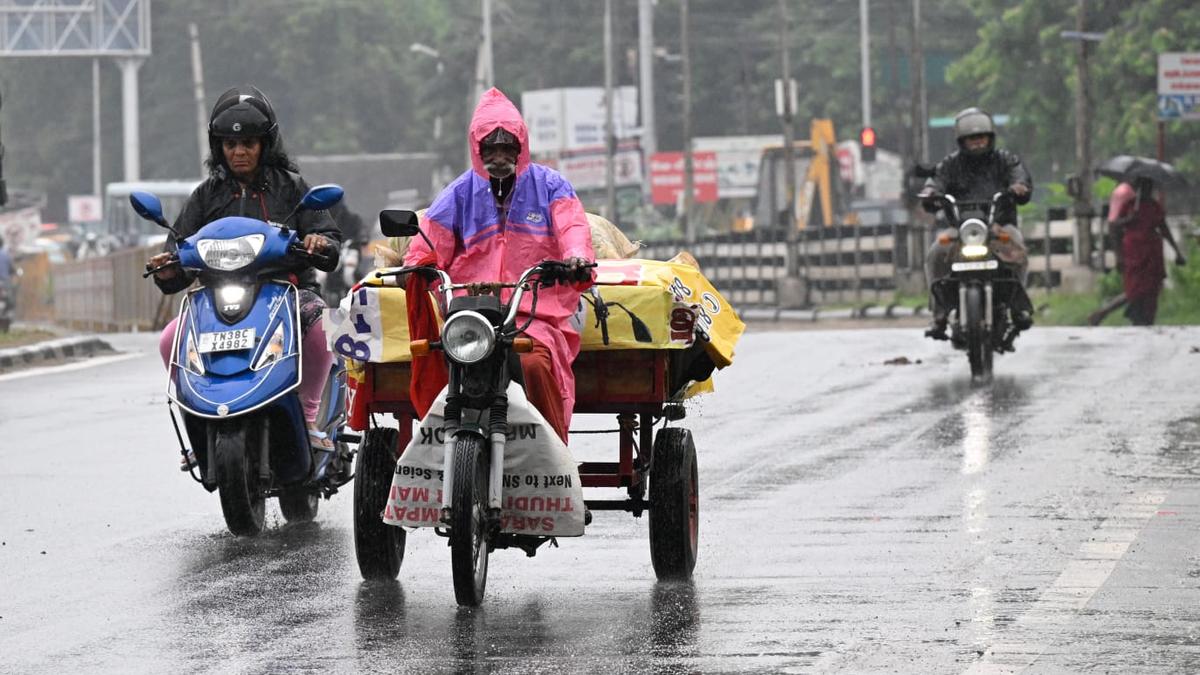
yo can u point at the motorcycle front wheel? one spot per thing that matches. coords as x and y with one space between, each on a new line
243 502
979 336
468 524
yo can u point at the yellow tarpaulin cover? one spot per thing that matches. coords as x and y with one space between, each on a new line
674 302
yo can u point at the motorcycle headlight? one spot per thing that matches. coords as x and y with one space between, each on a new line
973 234
468 337
272 351
227 255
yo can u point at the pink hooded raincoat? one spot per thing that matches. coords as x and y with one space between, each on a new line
545 221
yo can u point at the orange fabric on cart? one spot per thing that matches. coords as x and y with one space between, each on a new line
542 389
429 374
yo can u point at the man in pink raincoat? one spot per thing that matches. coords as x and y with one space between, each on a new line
501 217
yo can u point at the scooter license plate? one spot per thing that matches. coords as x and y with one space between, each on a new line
227 340
975 265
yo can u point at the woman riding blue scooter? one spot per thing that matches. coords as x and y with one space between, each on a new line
252 177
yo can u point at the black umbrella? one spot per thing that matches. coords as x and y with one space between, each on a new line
1128 167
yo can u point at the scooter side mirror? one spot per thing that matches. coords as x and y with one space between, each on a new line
321 197
148 206
398 223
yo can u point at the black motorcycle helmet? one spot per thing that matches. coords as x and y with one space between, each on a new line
242 112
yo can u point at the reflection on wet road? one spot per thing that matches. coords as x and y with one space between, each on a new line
856 517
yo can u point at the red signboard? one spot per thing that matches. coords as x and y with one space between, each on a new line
666 177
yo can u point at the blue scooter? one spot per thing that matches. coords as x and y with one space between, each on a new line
235 370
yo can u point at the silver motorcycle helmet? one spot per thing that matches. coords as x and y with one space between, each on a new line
973 122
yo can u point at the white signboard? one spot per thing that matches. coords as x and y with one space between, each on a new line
572 118
738 159
83 208
1179 86
588 171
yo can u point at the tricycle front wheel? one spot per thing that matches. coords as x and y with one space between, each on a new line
674 505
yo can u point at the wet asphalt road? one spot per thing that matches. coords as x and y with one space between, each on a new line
855 517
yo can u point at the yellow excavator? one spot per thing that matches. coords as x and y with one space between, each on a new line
821 198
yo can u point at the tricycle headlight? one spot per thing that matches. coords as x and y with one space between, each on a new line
227 255
973 234
468 337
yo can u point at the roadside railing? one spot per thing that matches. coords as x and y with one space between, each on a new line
861 264
843 265
109 293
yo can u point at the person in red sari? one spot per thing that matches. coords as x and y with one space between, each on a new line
1138 221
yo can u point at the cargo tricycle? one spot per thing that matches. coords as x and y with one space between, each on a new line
483 468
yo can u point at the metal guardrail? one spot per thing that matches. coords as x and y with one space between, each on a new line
107 294
846 264
849 264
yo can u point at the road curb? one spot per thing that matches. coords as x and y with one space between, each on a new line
816 314
52 351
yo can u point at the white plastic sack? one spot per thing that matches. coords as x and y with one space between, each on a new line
541 496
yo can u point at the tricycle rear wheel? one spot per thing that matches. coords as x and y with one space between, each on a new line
378 546
674 505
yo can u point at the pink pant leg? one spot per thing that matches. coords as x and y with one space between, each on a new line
314 370
166 340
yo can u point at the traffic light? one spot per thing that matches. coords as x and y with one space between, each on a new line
866 138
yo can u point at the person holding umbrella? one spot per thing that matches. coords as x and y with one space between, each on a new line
1139 226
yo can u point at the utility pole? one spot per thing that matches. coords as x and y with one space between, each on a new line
689 228
920 109
646 77
610 178
97 182
1083 144
789 145
129 116
864 48
198 94
792 290
489 73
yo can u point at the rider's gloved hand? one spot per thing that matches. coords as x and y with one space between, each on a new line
578 268
159 260
315 243
929 199
1018 189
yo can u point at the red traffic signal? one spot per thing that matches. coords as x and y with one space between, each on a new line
866 139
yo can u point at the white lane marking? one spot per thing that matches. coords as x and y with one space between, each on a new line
79 365
1075 587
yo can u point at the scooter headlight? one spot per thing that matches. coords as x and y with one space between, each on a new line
272 351
194 362
227 255
468 337
973 235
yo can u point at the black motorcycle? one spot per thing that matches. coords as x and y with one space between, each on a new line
980 290
481 338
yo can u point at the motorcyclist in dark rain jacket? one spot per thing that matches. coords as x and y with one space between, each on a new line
976 172
251 175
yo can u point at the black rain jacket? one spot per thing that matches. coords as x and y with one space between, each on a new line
976 178
272 197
